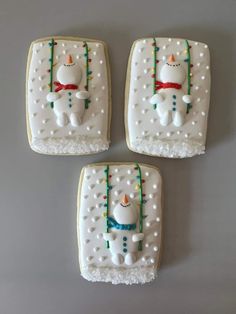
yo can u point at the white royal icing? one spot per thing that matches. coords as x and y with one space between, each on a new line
168 131
123 261
68 128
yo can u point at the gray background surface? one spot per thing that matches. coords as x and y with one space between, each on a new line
38 247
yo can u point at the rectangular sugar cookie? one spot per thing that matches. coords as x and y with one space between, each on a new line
68 96
167 97
119 222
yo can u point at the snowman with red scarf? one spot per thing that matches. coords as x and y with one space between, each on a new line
123 236
171 102
69 101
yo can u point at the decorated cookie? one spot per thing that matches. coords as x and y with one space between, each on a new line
68 96
167 97
119 222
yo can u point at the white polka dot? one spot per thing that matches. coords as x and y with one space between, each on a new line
101 258
89 258
131 195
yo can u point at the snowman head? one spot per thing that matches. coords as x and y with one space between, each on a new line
172 71
69 72
125 212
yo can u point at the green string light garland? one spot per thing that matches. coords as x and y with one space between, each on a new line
188 60
88 71
51 45
140 188
107 197
155 49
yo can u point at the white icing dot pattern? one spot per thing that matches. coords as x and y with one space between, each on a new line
145 133
91 135
123 180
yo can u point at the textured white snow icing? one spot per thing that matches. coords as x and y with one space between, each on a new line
69 146
136 275
169 148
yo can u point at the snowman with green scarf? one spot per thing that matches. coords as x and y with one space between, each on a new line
123 236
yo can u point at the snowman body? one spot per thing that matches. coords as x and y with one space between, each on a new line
172 103
123 237
69 105
170 99
68 99
123 242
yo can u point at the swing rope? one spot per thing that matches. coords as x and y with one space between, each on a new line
51 60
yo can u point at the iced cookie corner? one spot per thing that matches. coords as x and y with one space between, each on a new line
68 98
167 97
119 222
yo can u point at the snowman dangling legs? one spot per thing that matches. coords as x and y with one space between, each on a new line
123 237
170 98
68 99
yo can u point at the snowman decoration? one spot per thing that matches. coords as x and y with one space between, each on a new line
170 98
68 100
123 238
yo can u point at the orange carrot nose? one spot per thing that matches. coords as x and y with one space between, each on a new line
171 58
125 200
69 59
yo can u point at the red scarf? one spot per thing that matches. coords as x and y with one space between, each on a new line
60 86
160 85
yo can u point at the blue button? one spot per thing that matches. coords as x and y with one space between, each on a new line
174 103
69 93
124 244
174 96
173 109
124 250
124 238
